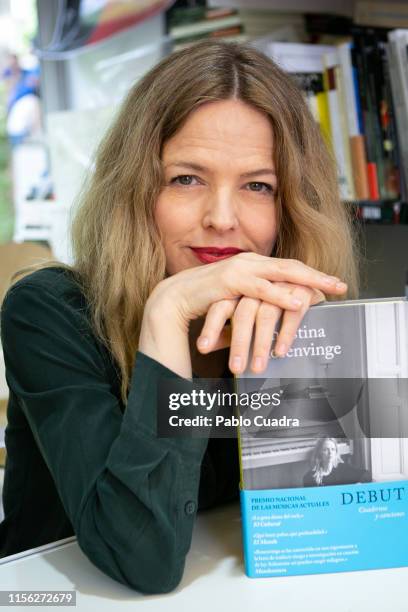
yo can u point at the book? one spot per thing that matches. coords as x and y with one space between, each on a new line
359 163
323 445
338 122
391 161
362 60
356 139
189 24
397 55
204 26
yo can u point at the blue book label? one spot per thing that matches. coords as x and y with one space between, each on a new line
325 529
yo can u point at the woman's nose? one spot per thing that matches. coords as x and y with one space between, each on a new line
220 211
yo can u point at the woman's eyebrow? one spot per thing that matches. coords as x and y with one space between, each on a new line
199 168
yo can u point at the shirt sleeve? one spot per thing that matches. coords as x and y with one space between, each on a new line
131 497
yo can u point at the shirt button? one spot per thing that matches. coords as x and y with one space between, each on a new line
190 507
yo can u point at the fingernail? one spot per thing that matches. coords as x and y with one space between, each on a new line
236 363
296 302
281 350
341 285
258 363
203 341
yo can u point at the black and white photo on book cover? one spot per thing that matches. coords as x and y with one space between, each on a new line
344 382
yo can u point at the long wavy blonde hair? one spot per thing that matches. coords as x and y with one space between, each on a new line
118 253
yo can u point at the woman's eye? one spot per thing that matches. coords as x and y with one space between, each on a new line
184 179
187 180
260 187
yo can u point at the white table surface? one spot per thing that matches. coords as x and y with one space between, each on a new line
213 580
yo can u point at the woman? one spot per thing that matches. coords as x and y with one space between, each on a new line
328 468
213 198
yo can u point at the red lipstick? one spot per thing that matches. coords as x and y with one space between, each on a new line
211 254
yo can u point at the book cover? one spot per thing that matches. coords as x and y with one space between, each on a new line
324 445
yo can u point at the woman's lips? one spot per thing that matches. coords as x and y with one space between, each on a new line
211 255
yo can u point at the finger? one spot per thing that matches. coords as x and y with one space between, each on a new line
278 294
317 297
224 339
290 324
218 313
294 271
242 325
266 320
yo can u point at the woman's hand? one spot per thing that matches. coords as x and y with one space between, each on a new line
247 314
283 285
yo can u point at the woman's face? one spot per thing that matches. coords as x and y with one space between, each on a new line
218 196
328 451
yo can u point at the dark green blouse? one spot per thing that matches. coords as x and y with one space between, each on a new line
78 463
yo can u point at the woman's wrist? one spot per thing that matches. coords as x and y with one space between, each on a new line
164 337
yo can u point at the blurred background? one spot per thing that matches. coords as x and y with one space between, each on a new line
65 66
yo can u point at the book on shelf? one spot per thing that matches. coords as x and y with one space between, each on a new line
356 139
190 24
350 89
368 123
373 139
397 50
334 87
323 445
377 117
180 32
